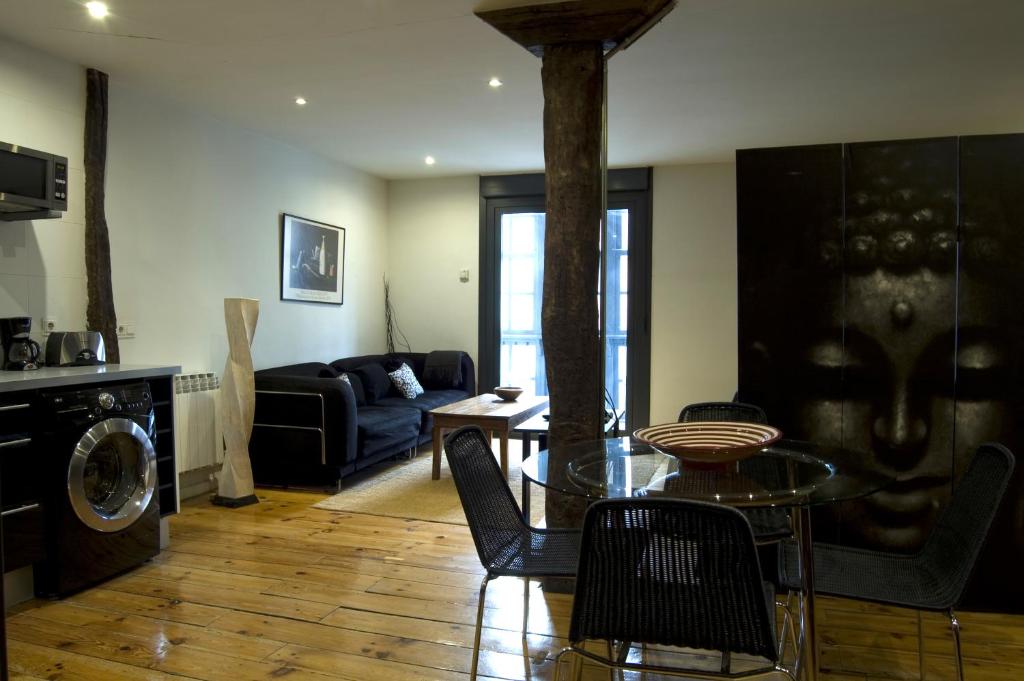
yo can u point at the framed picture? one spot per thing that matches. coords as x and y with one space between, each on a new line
312 261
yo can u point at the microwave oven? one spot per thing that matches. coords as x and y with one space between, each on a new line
33 184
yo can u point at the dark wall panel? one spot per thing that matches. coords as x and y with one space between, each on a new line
900 331
880 303
790 275
990 352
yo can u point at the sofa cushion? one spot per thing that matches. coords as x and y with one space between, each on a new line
306 369
376 384
352 363
327 372
382 428
430 399
393 362
357 387
442 369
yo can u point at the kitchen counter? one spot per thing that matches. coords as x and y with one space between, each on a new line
56 377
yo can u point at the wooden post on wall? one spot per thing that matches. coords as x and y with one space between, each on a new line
100 315
572 39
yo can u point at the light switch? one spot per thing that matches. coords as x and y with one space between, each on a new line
464 275
126 330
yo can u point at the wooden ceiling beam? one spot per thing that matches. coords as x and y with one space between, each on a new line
612 23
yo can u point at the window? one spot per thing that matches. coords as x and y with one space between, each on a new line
521 361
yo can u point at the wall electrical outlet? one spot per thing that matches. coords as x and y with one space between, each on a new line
49 325
126 330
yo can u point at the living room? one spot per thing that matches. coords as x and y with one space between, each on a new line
208 147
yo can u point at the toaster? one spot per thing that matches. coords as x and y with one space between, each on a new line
75 348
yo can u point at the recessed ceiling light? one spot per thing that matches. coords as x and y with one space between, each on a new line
301 101
97 10
430 160
495 82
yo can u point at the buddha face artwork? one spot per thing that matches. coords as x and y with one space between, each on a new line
895 338
897 318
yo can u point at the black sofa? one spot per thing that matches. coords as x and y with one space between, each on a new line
313 427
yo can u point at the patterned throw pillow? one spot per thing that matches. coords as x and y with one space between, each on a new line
405 381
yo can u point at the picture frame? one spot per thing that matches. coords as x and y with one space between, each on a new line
312 261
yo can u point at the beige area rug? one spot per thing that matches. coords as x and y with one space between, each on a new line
403 489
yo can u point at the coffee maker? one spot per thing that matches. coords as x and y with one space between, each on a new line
20 352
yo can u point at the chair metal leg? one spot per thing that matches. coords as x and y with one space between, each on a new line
577 667
526 628
558 663
788 627
479 627
920 647
954 624
792 638
526 609
781 648
799 641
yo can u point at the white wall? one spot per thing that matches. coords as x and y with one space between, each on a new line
194 217
434 231
693 300
42 263
193 208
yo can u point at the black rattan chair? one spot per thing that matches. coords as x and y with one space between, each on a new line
770 524
722 411
936 576
507 546
673 573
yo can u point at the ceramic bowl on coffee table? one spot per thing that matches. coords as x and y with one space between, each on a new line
508 393
709 442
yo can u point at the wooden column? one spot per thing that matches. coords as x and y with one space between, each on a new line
99 313
574 39
574 92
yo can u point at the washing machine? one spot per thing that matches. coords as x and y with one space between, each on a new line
99 478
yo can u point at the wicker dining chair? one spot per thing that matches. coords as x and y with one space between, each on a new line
722 411
670 572
506 545
934 578
770 524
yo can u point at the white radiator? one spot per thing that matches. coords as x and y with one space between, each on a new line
198 442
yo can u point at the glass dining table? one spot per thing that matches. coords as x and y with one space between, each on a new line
789 474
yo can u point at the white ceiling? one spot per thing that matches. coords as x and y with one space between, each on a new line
391 81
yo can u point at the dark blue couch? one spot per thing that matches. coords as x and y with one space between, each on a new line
312 427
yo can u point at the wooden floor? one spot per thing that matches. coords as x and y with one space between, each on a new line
284 591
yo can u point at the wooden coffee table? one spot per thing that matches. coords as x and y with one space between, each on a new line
494 415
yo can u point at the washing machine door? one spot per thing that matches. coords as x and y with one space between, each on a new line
112 475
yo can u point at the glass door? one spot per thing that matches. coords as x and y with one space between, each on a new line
511 296
521 350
